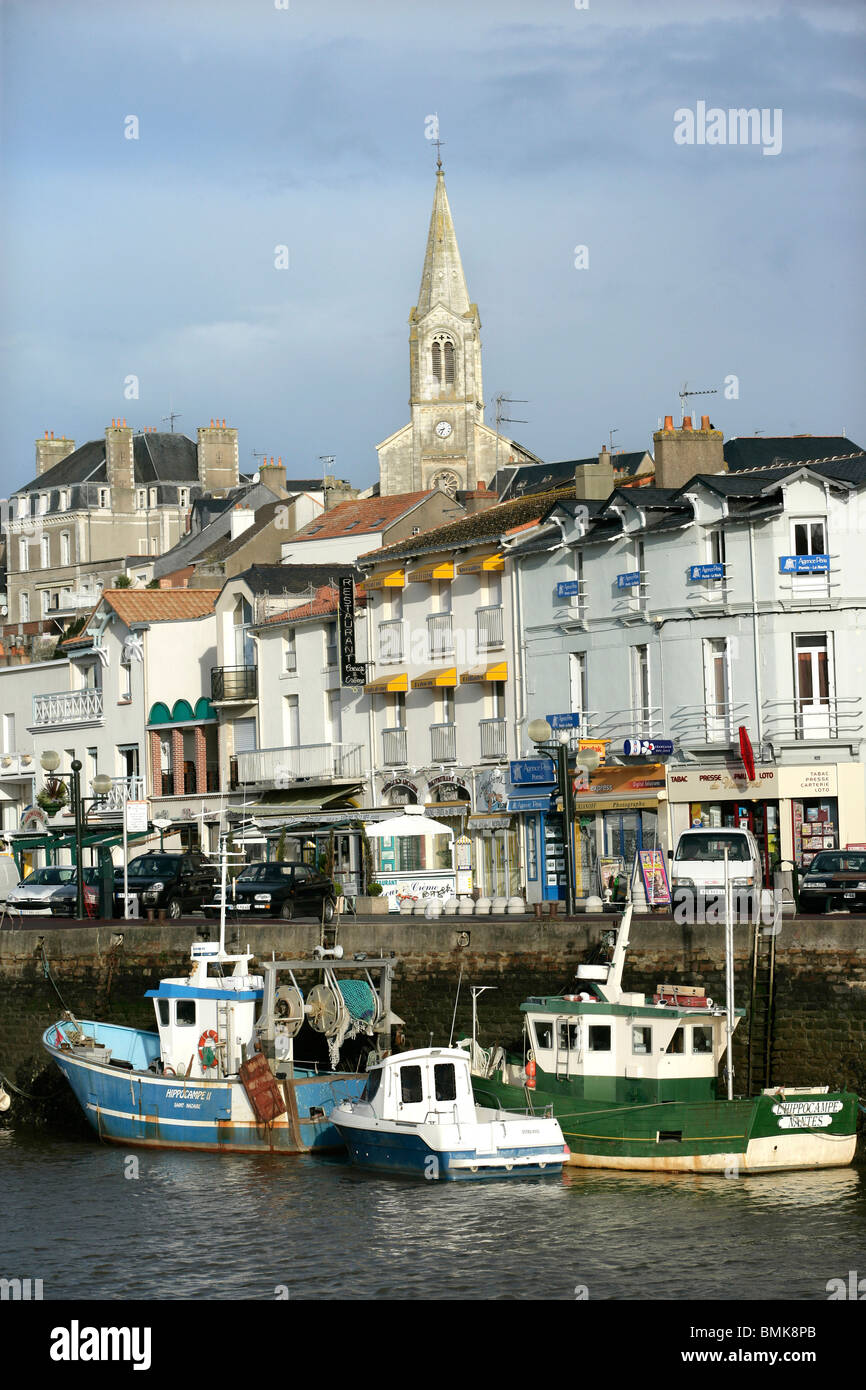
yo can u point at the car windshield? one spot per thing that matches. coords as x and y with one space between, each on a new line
259 873
152 864
698 847
48 876
838 864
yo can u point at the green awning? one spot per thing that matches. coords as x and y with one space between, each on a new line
66 839
278 803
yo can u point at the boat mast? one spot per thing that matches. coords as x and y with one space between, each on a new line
223 857
729 982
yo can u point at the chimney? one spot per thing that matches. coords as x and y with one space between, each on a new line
119 464
217 459
680 454
273 475
335 491
595 480
50 451
242 519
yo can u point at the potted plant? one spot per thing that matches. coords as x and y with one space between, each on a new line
373 903
53 796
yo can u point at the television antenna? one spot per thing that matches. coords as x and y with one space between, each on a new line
501 419
684 393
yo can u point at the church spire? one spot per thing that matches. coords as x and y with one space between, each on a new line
442 279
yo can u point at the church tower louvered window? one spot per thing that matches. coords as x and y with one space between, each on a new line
443 360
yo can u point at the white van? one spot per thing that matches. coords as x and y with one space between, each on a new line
698 869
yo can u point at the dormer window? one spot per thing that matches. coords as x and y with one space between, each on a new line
183 496
104 497
23 507
43 503
141 499
154 496
64 500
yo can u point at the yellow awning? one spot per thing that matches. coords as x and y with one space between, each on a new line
499 672
494 561
436 679
388 579
397 680
426 575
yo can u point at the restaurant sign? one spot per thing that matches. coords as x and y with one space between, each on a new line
352 672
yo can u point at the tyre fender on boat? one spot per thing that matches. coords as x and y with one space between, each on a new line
207 1045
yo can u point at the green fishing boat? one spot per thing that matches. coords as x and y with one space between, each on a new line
634 1082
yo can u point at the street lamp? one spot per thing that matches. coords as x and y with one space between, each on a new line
540 732
50 761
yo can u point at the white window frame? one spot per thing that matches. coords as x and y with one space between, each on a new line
65 548
718 727
810 583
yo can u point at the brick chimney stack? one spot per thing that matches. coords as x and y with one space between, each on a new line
680 454
50 451
119 465
273 475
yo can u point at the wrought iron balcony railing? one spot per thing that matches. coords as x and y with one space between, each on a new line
234 683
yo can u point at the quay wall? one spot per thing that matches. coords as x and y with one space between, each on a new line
102 972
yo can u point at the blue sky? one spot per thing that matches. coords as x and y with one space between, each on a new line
305 126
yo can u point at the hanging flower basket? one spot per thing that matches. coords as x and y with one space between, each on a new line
53 796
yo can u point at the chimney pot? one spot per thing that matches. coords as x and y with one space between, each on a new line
211 424
669 422
705 422
224 424
280 461
46 434
687 422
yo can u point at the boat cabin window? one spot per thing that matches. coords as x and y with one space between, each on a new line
410 1085
568 1037
702 1038
677 1043
374 1081
642 1040
162 1005
185 1013
446 1081
543 1035
599 1037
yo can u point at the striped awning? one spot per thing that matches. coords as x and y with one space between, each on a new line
436 680
395 681
386 579
497 672
426 575
494 561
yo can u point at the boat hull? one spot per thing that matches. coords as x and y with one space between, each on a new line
445 1153
759 1135
138 1107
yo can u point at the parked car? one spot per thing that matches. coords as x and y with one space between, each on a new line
698 868
278 889
38 891
836 878
178 882
64 902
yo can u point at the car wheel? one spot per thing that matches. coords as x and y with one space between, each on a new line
287 910
175 909
329 907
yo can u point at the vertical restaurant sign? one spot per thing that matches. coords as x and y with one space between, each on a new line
352 672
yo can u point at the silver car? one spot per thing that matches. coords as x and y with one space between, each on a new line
35 892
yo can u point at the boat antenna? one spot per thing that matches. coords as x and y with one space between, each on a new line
223 859
476 990
729 982
454 1015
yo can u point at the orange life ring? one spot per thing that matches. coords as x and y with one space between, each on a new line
205 1042
530 1074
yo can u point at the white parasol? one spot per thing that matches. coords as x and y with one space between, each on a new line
412 822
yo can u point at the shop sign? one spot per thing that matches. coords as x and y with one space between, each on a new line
722 785
528 803
655 878
398 785
807 781
533 770
804 564
352 672
399 887
136 817
448 783
706 571
563 721
629 580
645 747
568 588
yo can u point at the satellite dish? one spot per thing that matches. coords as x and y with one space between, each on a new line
289 1010
325 1009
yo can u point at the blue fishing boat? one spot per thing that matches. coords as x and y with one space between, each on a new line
417 1117
219 1073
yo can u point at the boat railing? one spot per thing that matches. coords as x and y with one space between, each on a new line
545 1114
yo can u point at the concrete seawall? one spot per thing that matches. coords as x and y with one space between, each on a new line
102 972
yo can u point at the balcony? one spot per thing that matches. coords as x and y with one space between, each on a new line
234 683
67 707
708 724
492 738
17 765
488 628
799 720
311 762
642 721
443 743
394 747
391 640
123 789
440 635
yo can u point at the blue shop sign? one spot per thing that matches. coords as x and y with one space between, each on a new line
643 747
563 721
528 803
568 588
533 770
628 581
706 571
804 564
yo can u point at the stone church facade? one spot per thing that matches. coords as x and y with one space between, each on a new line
446 444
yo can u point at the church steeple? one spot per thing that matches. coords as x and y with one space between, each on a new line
442 279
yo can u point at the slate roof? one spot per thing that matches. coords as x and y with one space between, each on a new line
168 458
222 547
489 524
360 516
291 579
759 451
526 480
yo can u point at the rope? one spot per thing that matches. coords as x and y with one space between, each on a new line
46 970
26 1095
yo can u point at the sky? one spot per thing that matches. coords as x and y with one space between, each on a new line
142 275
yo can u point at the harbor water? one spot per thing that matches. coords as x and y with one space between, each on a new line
98 1222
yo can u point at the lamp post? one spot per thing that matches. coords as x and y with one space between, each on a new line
540 732
50 762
